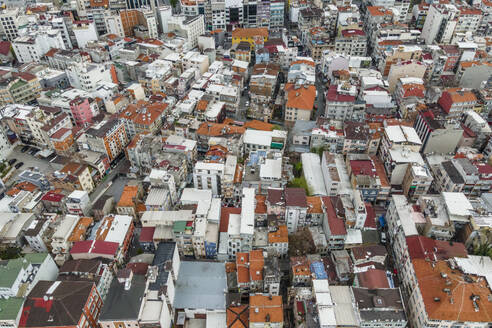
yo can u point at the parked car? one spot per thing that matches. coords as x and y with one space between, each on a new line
24 149
33 151
19 165
12 161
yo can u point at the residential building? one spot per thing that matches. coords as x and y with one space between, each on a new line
250 35
417 181
80 297
122 305
18 88
96 271
456 101
78 203
295 208
87 76
188 27
73 176
127 205
107 137
85 32
34 43
208 175
266 311
19 276
352 42
300 102
440 23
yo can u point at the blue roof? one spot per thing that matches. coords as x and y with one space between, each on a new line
319 270
163 254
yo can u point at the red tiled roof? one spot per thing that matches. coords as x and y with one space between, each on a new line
370 218
224 217
333 95
52 197
4 47
95 247
146 234
352 32
337 226
138 267
484 168
420 247
361 167
373 279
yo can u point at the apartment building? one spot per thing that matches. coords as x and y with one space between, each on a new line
72 303
300 101
440 23
32 45
188 27
351 42
250 35
208 175
456 101
87 76
107 137
143 117
18 88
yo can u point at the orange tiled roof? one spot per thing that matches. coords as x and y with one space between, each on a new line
279 236
13 191
219 129
260 204
242 267
27 186
303 61
230 267
73 168
300 266
458 96
314 204
262 306
380 171
301 98
256 263
80 229
379 11
143 112
238 175
104 228
469 11
237 316
467 64
141 207
258 125
413 90
128 196
432 285
202 105
250 32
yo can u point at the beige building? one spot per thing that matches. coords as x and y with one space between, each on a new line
300 102
411 68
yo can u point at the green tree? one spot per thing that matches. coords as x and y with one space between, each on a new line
484 249
298 169
173 3
318 150
10 253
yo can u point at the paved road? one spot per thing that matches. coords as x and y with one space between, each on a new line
44 166
102 187
320 101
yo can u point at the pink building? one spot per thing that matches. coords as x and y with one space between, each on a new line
83 110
